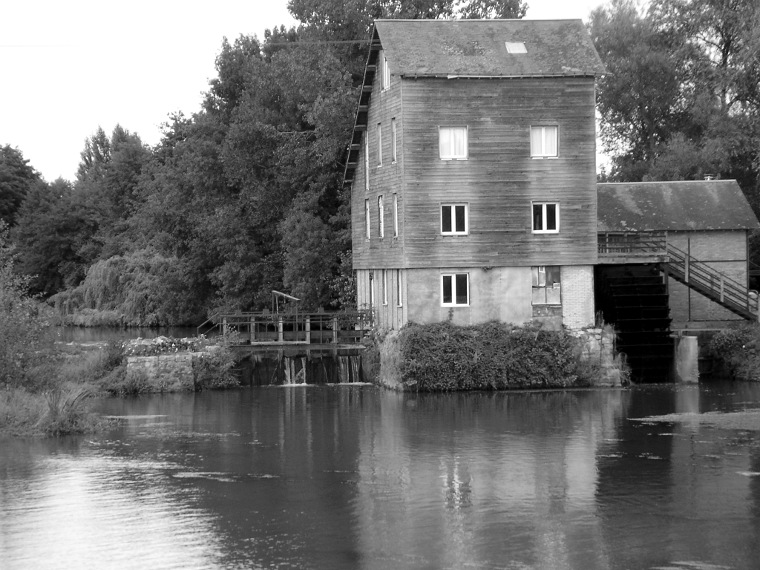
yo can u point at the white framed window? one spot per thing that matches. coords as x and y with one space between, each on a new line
452 143
547 285
366 160
515 47
385 287
395 215
545 217
385 77
393 141
367 225
399 296
381 215
544 142
455 289
454 219
379 144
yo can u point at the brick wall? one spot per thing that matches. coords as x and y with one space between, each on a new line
577 296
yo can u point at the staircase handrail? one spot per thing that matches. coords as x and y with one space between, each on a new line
727 289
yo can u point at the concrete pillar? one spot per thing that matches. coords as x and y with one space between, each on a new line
686 361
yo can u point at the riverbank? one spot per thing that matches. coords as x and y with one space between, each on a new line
443 357
53 396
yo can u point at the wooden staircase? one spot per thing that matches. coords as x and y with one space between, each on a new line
702 278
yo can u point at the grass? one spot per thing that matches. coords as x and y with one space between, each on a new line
55 396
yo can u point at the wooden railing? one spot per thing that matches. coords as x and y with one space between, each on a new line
632 245
343 327
729 293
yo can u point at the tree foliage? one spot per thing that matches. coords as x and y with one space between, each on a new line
681 97
17 178
242 197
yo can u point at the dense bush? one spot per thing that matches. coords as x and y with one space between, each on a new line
214 370
24 321
738 350
492 356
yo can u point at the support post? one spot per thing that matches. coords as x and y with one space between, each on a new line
307 329
280 336
335 329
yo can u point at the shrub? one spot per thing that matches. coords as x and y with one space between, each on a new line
493 355
214 370
738 350
24 321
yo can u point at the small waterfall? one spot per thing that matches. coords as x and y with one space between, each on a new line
279 368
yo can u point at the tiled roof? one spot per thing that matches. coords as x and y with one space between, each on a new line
476 48
662 206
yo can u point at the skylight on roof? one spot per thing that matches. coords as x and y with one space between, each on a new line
515 47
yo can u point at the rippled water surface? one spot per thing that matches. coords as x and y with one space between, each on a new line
356 477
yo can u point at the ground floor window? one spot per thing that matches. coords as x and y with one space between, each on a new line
455 289
547 286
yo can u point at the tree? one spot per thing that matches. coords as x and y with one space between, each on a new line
485 9
639 97
16 179
24 321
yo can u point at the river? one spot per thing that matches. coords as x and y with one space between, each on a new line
353 476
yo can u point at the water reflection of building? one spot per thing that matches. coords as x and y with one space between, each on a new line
484 480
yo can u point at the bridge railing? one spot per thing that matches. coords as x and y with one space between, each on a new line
632 245
291 328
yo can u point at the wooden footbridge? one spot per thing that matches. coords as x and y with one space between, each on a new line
286 326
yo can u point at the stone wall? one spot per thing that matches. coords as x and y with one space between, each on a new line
165 372
598 349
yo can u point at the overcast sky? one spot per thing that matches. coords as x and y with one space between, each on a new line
67 67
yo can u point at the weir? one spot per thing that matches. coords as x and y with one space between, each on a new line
292 368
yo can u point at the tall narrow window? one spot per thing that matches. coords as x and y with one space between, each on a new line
367 231
399 289
385 81
395 215
543 142
454 219
385 287
545 218
366 160
393 140
379 144
371 290
455 289
381 214
546 285
452 143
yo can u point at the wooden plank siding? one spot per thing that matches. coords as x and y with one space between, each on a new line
499 179
384 180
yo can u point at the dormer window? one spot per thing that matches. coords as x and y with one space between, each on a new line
515 47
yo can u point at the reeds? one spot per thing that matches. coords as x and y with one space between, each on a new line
67 411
